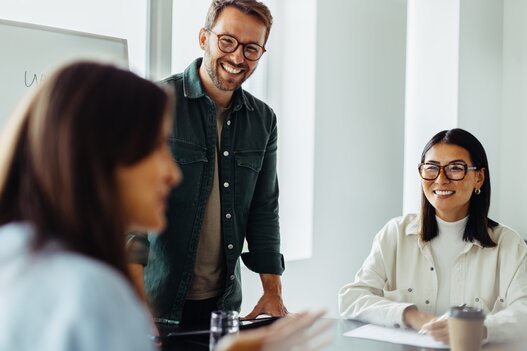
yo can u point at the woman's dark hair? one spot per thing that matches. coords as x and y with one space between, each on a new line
58 172
478 222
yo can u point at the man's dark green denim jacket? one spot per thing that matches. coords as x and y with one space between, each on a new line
248 192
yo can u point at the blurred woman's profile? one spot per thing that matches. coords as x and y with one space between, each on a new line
83 162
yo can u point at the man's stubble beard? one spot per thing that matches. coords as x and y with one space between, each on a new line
213 70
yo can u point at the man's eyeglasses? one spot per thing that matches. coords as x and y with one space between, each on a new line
453 171
228 44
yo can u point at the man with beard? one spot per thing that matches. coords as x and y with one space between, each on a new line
225 140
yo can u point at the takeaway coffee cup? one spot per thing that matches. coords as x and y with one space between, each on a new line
465 328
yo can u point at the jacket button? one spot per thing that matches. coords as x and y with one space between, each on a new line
226 184
225 153
230 246
228 215
431 268
476 299
229 122
231 277
501 300
427 302
410 290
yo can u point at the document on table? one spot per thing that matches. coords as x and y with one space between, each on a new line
395 335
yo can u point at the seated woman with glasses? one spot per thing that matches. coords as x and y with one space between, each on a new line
450 254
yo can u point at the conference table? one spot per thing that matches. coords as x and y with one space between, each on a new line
340 342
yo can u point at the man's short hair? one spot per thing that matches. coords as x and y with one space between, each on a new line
249 7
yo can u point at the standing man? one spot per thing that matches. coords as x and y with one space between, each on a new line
225 141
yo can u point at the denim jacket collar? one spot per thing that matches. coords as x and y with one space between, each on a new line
193 89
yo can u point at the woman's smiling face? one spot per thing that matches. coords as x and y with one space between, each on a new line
451 198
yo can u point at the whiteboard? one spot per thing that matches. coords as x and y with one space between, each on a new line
29 52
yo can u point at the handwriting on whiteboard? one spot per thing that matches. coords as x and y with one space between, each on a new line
31 79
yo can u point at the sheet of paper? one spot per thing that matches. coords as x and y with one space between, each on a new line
395 335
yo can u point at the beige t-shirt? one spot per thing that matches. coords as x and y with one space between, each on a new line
209 267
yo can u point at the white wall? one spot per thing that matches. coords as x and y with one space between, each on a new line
359 119
291 93
513 152
188 18
431 83
480 83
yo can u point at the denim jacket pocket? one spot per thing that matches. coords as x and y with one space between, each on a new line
248 167
250 159
193 162
187 152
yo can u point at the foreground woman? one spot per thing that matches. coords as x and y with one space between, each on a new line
82 163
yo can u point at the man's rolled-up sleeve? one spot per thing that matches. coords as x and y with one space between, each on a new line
263 229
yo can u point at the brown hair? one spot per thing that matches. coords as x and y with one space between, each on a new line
59 170
249 7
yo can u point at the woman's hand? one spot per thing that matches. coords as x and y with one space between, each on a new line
416 319
438 329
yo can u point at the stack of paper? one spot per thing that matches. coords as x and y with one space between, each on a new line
396 336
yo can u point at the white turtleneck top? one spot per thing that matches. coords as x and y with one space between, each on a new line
446 247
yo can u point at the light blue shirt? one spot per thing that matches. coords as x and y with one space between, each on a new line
56 300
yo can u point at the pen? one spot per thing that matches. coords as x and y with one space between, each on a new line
443 317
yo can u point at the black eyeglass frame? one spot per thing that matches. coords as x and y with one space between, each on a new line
238 43
464 165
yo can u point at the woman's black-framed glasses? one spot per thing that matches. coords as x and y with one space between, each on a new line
228 44
453 171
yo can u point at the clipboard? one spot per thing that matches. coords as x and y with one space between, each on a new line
186 332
